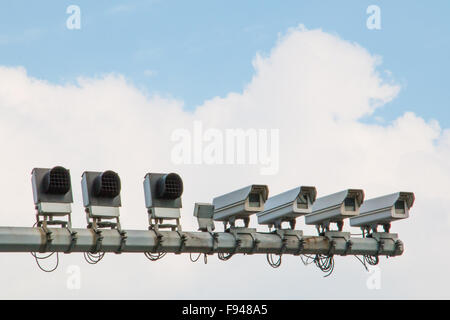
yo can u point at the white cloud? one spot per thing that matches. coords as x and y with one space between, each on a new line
314 87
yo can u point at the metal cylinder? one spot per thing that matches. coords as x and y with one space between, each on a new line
26 239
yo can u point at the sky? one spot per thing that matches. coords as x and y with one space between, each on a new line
353 107
197 50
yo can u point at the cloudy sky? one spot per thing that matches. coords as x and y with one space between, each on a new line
353 107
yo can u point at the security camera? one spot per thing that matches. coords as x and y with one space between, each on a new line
383 210
163 195
204 213
335 208
52 191
101 194
287 206
240 204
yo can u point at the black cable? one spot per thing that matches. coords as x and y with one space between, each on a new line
372 260
37 258
93 258
194 260
363 262
154 256
325 263
34 254
224 257
309 259
271 262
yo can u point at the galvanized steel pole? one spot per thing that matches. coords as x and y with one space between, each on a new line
26 239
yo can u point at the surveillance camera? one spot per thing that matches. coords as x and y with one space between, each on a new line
163 195
383 210
240 204
101 194
204 213
287 206
335 208
52 191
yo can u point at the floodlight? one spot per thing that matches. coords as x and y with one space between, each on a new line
163 195
101 194
52 191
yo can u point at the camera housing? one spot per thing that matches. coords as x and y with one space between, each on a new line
101 194
334 208
52 191
204 213
163 195
287 206
240 204
383 210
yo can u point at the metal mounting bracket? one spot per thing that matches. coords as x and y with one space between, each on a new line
159 238
280 233
382 237
215 237
183 239
348 247
48 237
73 239
98 238
248 231
333 235
123 239
399 247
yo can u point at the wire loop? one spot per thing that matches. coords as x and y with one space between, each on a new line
37 258
154 256
325 263
272 262
93 258
196 259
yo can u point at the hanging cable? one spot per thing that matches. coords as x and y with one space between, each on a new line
37 258
372 260
93 258
272 262
325 263
309 259
196 259
367 259
224 257
363 262
154 256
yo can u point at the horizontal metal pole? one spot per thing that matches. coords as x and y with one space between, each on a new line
26 239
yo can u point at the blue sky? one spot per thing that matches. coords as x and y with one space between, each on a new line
196 50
